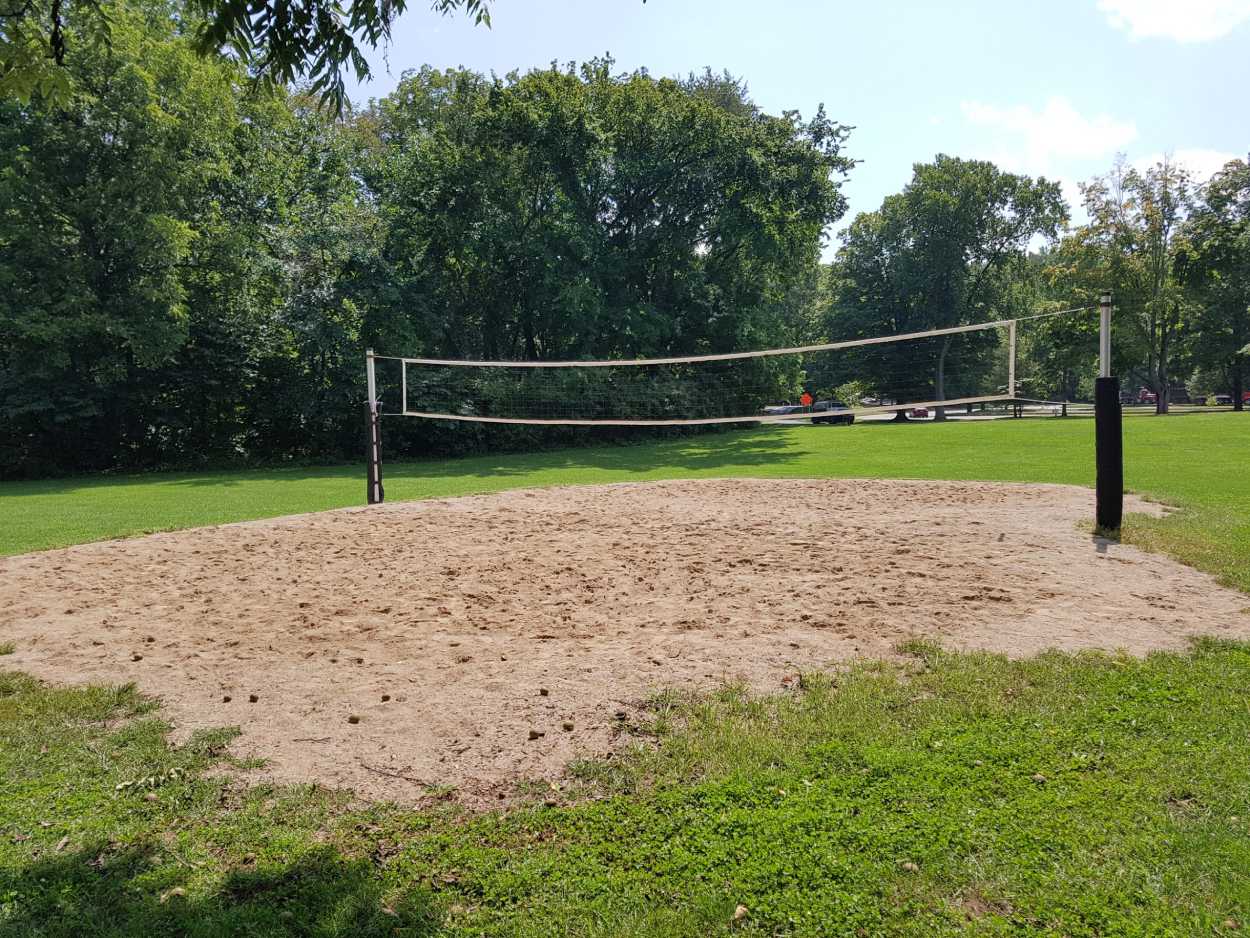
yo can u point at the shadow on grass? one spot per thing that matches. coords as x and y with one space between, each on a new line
690 454
135 893
645 454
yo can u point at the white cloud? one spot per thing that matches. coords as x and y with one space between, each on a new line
1184 21
1202 164
1041 138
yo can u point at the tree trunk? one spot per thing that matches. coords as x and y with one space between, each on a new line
1239 384
531 345
1164 392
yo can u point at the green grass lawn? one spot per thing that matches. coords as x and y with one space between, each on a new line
953 794
965 794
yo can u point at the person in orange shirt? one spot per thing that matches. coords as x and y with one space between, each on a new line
806 399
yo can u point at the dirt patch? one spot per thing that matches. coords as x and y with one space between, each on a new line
476 641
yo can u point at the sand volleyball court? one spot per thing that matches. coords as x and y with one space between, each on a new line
477 641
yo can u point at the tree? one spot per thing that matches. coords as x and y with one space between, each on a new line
191 270
279 42
97 220
180 260
946 251
574 212
1214 265
1130 246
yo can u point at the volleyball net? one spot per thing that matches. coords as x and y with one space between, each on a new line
1049 356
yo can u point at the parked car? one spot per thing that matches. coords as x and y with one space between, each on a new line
780 410
832 412
1200 400
1146 396
918 412
1223 400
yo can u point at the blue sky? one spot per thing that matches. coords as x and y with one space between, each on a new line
1055 89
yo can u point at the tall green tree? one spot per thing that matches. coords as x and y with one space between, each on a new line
179 258
1214 265
98 208
575 212
1130 246
949 249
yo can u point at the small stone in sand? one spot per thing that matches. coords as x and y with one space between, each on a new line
353 719
225 699
568 725
537 734
252 698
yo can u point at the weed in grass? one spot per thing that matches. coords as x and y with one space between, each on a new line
7 648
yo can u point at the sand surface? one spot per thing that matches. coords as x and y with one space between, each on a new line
438 624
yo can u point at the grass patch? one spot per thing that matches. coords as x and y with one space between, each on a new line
957 794
1195 461
961 794
7 648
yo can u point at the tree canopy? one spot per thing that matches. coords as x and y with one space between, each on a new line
192 270
279 42
191 265
948 250
1214 264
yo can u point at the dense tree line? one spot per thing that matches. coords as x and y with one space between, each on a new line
191 268
965 242
191 265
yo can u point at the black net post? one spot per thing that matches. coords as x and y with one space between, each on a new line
1108 434
1109 453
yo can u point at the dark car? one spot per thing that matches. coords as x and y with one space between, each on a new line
832 412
